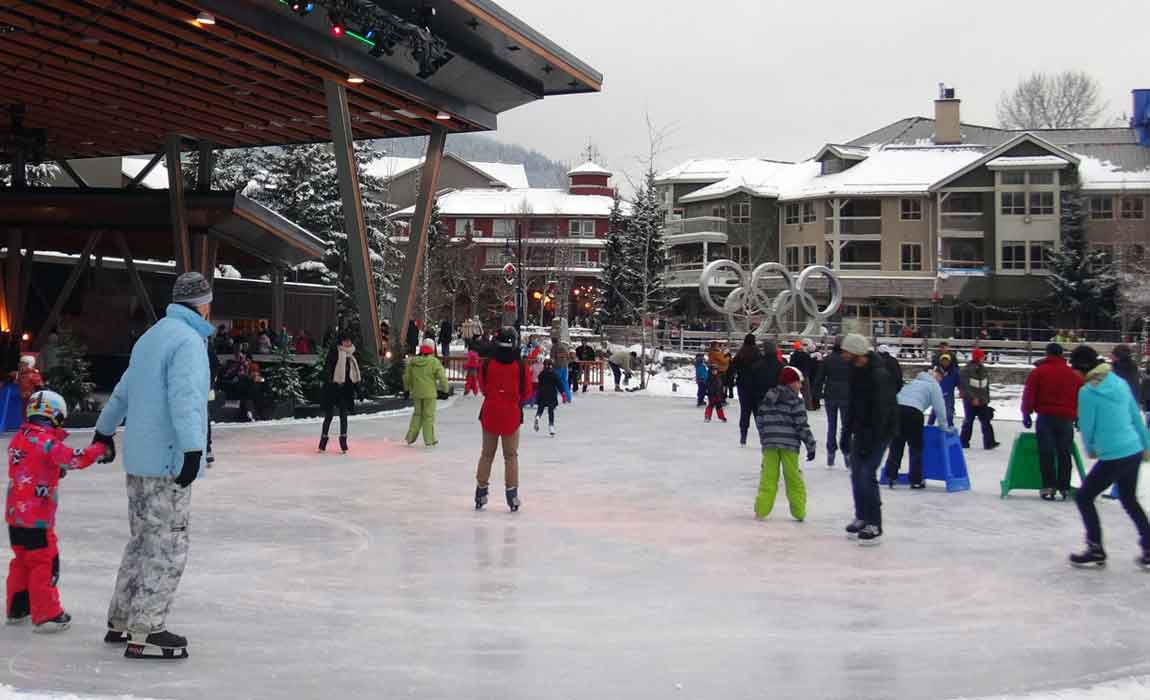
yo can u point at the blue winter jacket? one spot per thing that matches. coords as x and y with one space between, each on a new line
702 372
923 393
1108 416
949 382
163 395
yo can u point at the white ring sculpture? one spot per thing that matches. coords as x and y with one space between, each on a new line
749 299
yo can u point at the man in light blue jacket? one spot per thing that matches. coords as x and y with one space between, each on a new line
163 396
914 398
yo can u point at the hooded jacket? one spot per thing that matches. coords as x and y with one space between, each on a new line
976 384
548 392
923 393
1109 418
1052 389
163 395
871 420
37 456
782 421
424 377
506 384
835 379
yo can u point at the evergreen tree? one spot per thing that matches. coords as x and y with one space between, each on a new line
1083 283
38 175
646 243
71 375
621 276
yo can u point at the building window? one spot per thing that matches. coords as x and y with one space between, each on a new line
719 211
1039 256
792 214
503 228
1014 203
1101 208
543 228
1042 203
810 255
911 256
809 216
465 227
581 228
911 209
741 254
493 257
1014 177
1013 255
1042 177
792 260
580 257
741 213
1133 208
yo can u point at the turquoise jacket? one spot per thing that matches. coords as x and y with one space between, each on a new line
163 395
1109 418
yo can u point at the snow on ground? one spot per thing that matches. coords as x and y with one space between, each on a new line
10 693
634 570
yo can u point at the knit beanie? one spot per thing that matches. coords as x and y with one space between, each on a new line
790 375
427 347
855 344
192 289
1084 358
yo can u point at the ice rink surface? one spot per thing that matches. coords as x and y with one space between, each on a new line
634 570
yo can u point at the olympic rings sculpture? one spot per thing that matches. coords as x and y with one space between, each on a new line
750 299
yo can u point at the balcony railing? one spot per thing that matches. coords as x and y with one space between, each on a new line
699 224
963 223
972 265
856 227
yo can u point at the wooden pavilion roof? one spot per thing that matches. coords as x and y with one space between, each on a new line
113 77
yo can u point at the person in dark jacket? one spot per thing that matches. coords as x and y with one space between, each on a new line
975 387
716 395
341 376
803 360
584 354
412 337
702 379
1122 363
765 372
445 332
871 424
547 395
893 368
1052 392
742 366
834 388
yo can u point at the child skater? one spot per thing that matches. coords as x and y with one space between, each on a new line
783 427
472 367
37 460
547 392
716 395
702 377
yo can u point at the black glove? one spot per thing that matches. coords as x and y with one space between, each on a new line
109 442
1026 421
810 455
191 469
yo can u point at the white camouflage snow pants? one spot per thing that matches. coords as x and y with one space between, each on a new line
154 557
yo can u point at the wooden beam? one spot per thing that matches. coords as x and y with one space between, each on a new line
278 301
177 204
139 178
12 276
417 241
69 286
71 172
359 253
134 276
21 302
207 165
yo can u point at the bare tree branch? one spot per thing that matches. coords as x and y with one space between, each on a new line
1067 100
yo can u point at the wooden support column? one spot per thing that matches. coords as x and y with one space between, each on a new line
12 277
277 299
69 287
417 241
359 254
207 166
19 309
135 183
177 204
134 276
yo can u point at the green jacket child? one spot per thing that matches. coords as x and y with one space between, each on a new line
423 379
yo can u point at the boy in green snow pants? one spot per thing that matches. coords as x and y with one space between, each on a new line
782 423
423 379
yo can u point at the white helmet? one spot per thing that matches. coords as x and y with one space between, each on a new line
28 361
47 404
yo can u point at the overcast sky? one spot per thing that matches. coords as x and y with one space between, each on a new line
779 78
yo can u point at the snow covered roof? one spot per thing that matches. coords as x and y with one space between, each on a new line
590 168
887 171
1011 162
513 175
702 170
520 202
843 151
1098 175
762 178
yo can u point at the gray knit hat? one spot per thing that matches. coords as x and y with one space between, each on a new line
191 288
855 344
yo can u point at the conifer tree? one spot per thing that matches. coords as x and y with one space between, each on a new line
1083 283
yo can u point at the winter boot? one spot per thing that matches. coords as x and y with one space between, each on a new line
57 624
323 444
116 636
869 535
551 429
343 444
513 499
158 645
919 485
855 527
1046 494
480 497
830 459
536 423
1094 556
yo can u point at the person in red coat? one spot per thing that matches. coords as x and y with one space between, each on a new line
506 384
1052 392
37 459
28 378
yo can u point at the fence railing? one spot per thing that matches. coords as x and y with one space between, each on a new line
589 373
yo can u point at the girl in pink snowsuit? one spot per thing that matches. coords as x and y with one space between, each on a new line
472 367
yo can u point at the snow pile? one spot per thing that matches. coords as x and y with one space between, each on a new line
9 693
1133 689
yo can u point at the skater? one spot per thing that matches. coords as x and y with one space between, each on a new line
547 395
423 378
717 358
341 376
765 372
802 359
586 355
1123 364
561 359
914 398
472 368
445 336
506 382
975 388
949 384
535 369
834 385
1052 392
621 364
1113 433
742 366
702 379
730 377
871 423
37 460
782 423
894 369
28 378
716 395
164 397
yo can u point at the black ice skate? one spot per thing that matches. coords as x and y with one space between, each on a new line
323 444
19 611
116 636
163 646
57 624
1046 494
870 535
343 444
854 528
1143 561
513 499
480 497
1093 557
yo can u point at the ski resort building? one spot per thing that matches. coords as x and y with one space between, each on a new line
931 223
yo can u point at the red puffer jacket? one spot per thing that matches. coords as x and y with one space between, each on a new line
1052 390
505 388
35 457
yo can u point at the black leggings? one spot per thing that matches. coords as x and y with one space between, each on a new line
550 414
1124 472
329 414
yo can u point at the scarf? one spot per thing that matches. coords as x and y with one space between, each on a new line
346 368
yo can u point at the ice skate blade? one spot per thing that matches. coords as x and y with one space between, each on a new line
1089 565
114 637
51 627
152 653
16 621
870 543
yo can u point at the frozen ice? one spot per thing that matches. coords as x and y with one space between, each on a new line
635 570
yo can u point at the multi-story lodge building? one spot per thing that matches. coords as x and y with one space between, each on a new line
929 222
